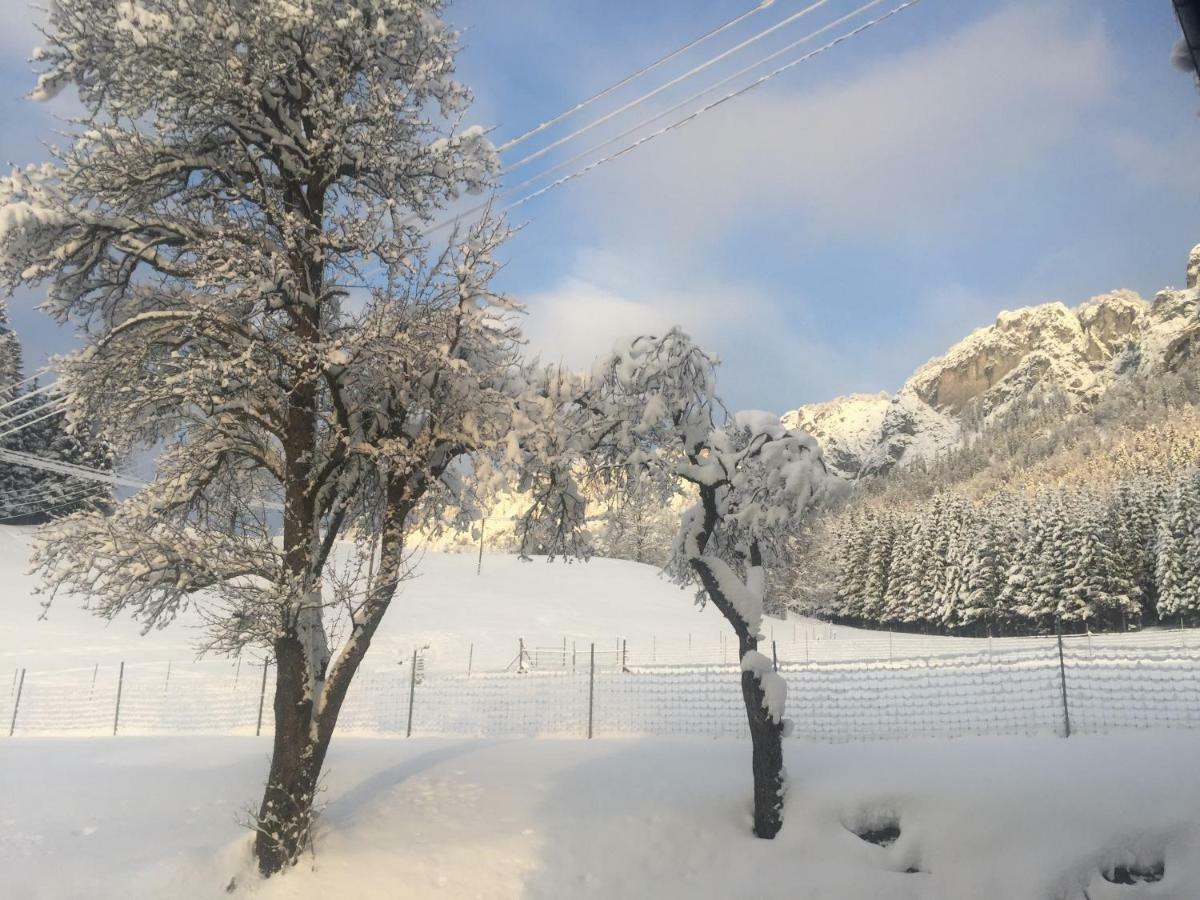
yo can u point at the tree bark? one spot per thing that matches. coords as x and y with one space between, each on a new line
303 734
766 736
766 739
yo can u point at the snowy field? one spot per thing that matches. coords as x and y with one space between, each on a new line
68 673
980 819
991 818
459 619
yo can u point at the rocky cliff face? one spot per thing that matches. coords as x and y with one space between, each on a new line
1076 352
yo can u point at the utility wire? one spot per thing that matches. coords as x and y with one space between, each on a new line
25 515
18 458
50 496
673 125
24 381
46 387
55 411
638 101
514 191
567 163
679 123
600 95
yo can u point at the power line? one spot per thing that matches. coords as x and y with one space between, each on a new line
702 110
55 410
638 101
696 70
25 515
453 220
73 494
24 381
600 95
513 191
46 387
18 458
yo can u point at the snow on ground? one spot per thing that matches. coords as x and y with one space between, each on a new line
980 819
446 606
454 615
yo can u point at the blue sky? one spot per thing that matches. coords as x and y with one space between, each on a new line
832 230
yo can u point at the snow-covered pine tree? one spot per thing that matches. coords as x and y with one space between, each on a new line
1176 537
913 604
1131 516
1099 591
878 568
31 495
854 552
901 572
935 563
240 167
1054 562
950 593
982 577
1020 578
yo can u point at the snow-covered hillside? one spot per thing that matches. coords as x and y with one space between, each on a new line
446 607
1077 353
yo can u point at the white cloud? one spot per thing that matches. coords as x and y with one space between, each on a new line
766 362
900 148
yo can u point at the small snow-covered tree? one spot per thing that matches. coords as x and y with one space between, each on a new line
241 165
651 412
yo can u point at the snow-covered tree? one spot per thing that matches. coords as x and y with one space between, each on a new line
241 167
1099 589
878 568
651 413
1177 551
985 561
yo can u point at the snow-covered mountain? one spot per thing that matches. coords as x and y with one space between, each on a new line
1077 353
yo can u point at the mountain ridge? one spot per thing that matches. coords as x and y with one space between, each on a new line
1075 352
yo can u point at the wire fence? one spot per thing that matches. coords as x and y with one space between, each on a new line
1042 687
800 641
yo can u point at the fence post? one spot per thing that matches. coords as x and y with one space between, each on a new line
624 656
520 654
120 685
20 687
591 689
470 658
167 680
95 672
262 696
774 655
1062 675
412 692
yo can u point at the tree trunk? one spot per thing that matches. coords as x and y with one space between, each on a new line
766 739
285 816
302 735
